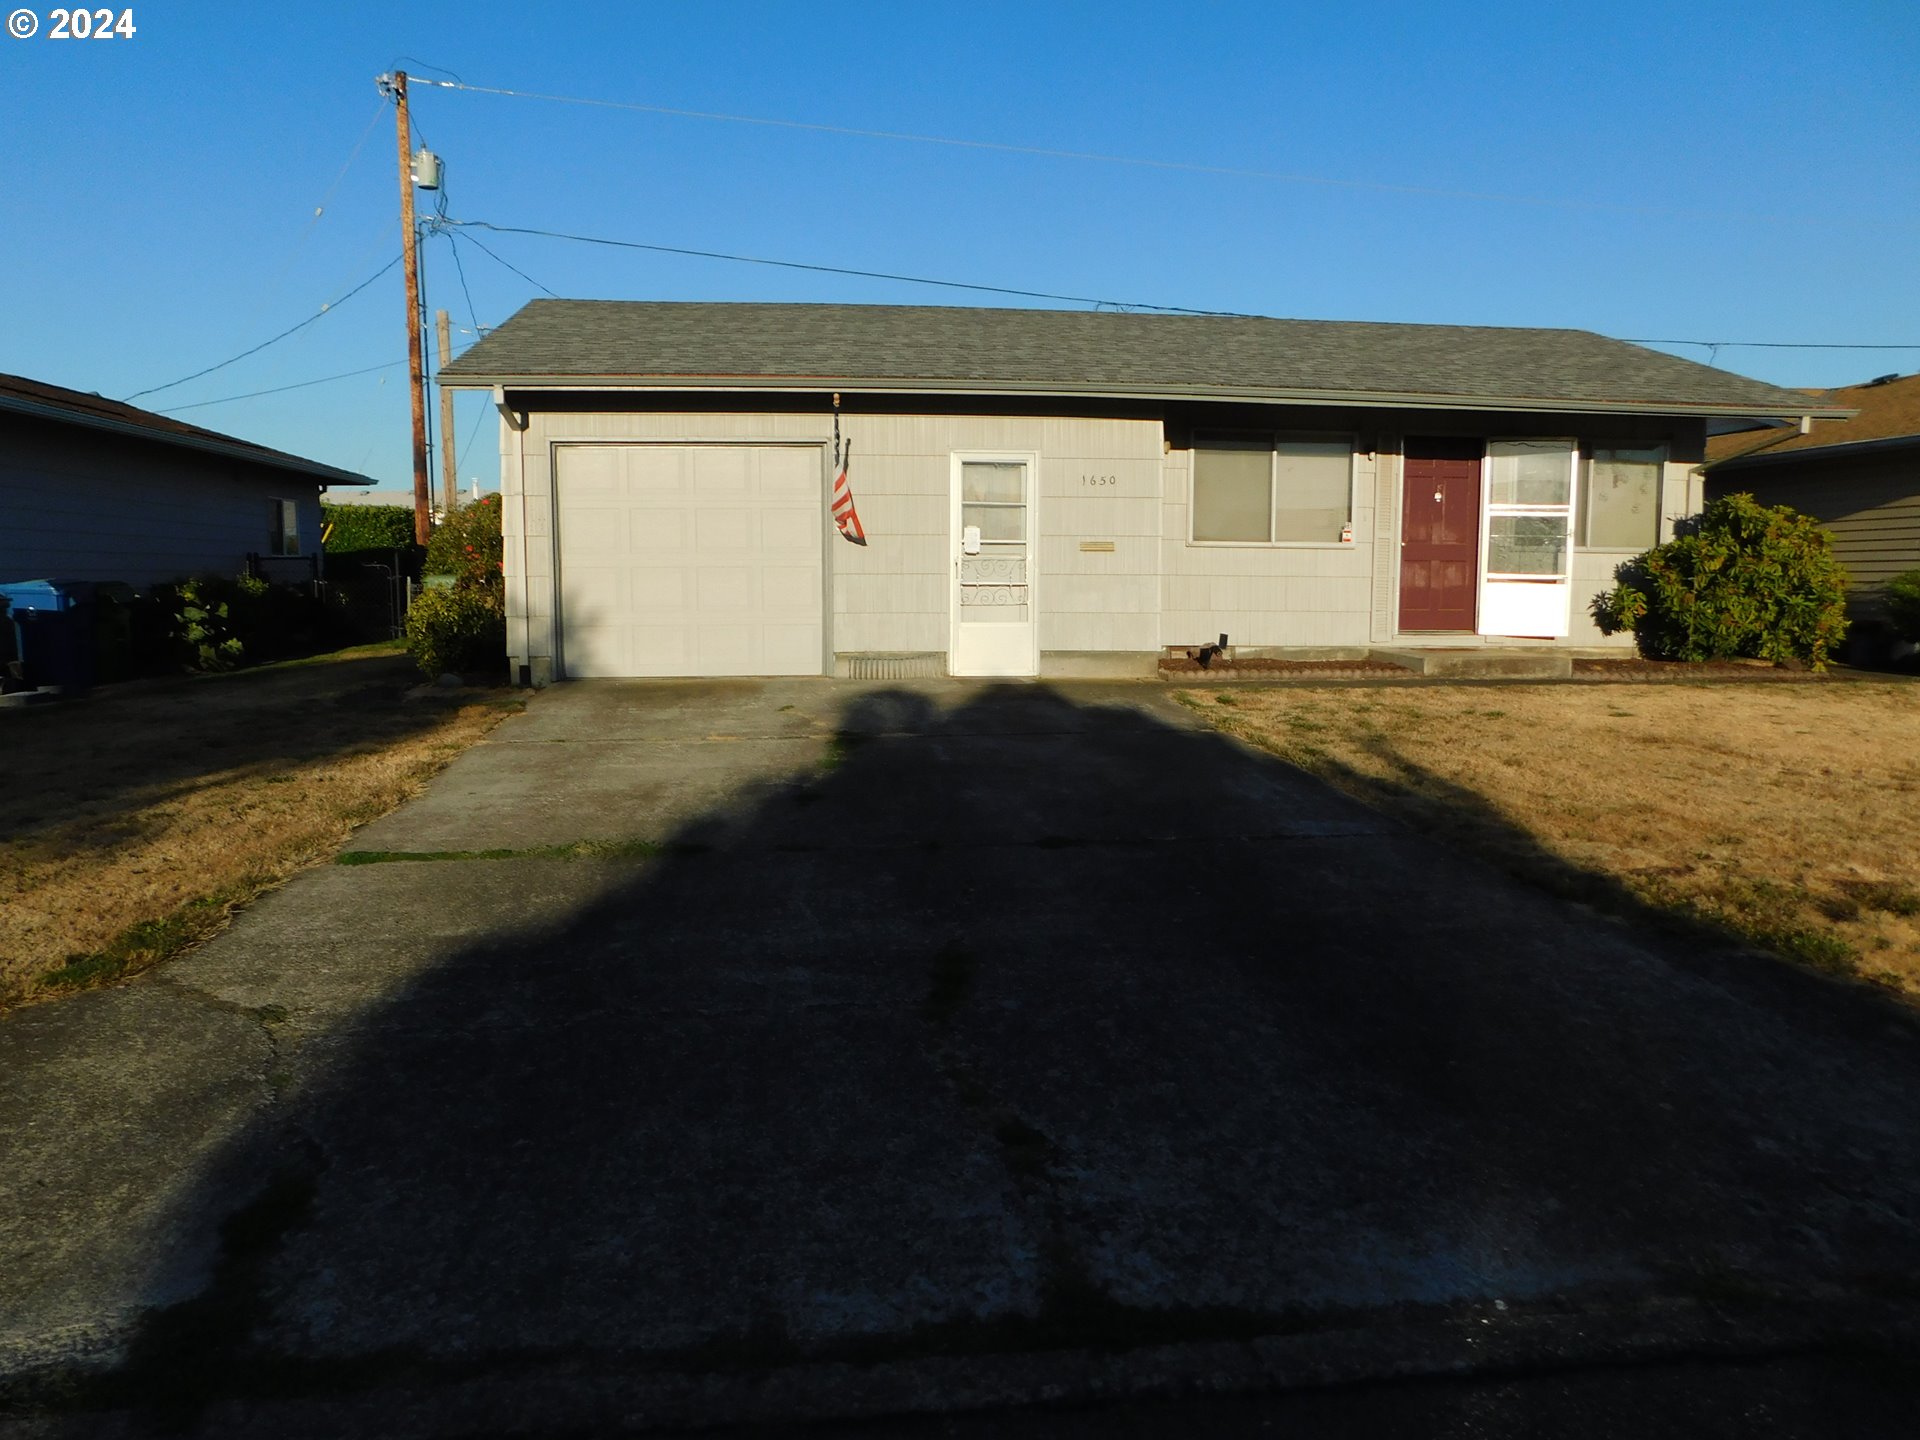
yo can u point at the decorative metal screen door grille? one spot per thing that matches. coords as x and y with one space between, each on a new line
993 602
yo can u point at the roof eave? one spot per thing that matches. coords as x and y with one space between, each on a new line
881 385
1838 450
233 450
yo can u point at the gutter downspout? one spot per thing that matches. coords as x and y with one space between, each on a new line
512 423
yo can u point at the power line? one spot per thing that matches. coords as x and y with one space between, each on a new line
472 435
822 269
1052 153
291 329
297 385
461 270
319 210
488 250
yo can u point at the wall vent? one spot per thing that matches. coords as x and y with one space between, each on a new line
927 666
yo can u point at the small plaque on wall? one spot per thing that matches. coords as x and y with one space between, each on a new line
1101 547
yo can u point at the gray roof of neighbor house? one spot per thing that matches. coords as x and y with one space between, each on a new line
930 349
56 403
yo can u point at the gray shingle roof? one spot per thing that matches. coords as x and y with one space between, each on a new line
936 349
35 398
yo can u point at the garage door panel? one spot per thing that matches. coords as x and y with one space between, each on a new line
796 532
790 649
664 531
721 531
593 592
600 531
789 476
655 475
656 650
725 470
787 587
709 563
722 588
729 649
597 475
662 589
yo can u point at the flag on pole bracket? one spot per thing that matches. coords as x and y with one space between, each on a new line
844 515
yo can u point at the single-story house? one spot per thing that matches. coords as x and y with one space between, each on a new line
1053 492
1859 477
93 489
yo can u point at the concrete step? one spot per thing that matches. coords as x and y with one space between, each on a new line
1472 663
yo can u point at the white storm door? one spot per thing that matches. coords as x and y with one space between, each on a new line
993 548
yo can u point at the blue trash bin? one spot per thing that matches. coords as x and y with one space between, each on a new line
53 631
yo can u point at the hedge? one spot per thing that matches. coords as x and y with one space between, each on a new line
367 527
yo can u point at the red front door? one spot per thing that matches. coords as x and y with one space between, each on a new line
1440 534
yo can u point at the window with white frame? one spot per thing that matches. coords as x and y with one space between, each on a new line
1621 510
1272 489
283 536
1529 508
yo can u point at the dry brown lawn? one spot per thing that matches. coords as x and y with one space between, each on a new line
1786 812
132 823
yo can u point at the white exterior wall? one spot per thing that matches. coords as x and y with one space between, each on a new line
1266 595
77 504
893 596
1153 588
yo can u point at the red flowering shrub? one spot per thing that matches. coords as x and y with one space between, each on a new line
466 545
463 630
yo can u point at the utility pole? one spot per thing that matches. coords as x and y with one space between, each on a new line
449 462
422 496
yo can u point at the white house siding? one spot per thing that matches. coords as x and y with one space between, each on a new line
76 504
1267 595
892 597
1152 588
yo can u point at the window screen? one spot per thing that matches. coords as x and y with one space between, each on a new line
1233 491
1272 489
1622 511
1312 489
1529 472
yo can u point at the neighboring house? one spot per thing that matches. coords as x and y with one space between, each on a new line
91 489
1859 477
1049 492
402 498
367 496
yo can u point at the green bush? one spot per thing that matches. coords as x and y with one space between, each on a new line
367 527
466 545
1742 581
462 631
1902 604
221 622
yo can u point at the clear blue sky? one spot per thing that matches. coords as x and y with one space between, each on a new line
1737 171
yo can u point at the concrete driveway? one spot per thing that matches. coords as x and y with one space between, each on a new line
793 1049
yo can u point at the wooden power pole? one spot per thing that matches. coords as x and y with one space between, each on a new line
422 496
449 462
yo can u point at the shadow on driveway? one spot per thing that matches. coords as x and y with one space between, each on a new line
1024 1025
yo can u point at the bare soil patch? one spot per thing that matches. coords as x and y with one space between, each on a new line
1782 813
133 822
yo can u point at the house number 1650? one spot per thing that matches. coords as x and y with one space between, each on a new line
1099 479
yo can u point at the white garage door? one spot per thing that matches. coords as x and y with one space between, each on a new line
689 559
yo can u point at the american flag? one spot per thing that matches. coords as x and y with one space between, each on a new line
844 515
